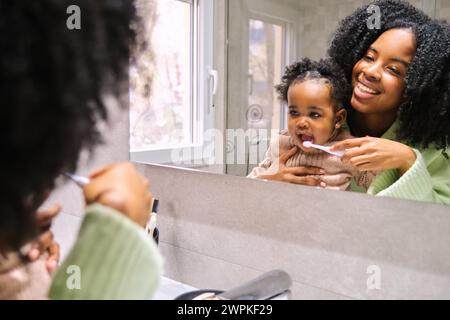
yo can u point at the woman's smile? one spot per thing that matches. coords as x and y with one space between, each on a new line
364 90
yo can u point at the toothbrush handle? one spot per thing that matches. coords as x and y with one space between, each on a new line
337 153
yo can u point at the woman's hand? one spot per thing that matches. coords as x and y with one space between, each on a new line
45 243
121 187
376 154
297 175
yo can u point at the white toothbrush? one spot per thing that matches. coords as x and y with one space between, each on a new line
309 144
79 180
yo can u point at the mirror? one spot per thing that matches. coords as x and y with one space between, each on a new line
214 65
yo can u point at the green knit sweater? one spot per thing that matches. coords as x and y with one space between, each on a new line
113 258
427 180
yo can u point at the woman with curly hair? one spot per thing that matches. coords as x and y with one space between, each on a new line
400 104
315 92
54 84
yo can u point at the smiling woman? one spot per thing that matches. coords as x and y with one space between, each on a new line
400 100
399 104
379 77
379 80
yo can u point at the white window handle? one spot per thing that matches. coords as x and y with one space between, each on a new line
215 77
250 83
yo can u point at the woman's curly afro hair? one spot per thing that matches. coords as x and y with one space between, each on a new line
425 115
307 69
52 87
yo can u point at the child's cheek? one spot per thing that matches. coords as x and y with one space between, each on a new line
291 131
322 135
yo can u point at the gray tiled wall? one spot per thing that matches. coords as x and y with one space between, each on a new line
319 20
443 9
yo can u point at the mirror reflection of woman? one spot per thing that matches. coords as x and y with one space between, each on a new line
400 104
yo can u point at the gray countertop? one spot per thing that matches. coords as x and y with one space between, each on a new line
169 289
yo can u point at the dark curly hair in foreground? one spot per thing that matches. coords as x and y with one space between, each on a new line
52 84
425 115
322 69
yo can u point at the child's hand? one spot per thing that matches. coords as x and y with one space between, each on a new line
121 187
298 175
376 154
45 243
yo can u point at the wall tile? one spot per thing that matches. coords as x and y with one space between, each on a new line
321 19
443 9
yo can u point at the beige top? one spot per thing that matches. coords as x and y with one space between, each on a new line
21 280
338 175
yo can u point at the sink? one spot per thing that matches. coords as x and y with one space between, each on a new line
169 289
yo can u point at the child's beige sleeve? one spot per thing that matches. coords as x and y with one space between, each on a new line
263 166
271 163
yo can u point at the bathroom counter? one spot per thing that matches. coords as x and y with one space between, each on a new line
170 289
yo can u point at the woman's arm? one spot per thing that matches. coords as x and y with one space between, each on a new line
428 179
406 173
113 258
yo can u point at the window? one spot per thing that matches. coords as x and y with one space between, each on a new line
262 41
266 62
168 83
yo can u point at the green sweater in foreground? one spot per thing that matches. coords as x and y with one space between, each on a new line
427 180
115 258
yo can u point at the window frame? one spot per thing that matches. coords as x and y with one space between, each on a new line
201 113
